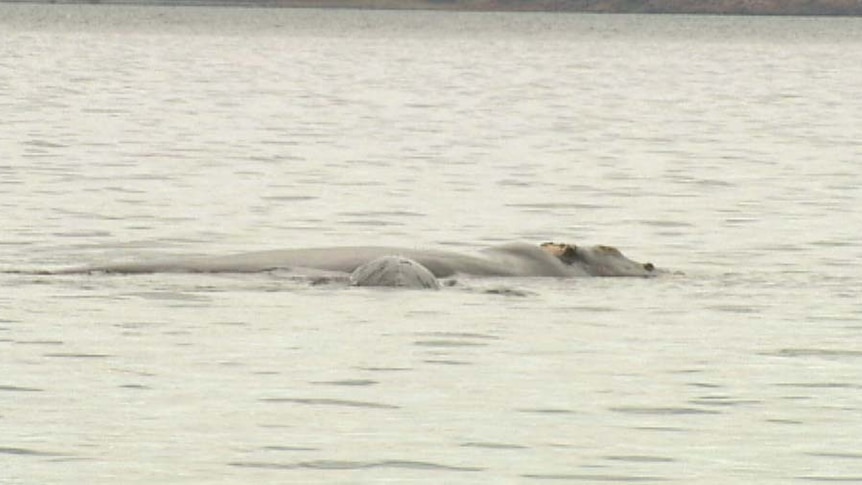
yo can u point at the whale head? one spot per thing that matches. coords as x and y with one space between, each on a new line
599 260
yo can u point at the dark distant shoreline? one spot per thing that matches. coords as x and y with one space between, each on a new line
703 7
711 7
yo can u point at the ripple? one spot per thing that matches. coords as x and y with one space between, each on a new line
465 335
722 401
289 198
44 144
556 205
26 452
857 479
507 291
640 458
356 465
348 382
547 411
819 385
673 411
665 223
593 308
810 352
39 342
707 385
394 213
448 343
83 234
494 446
729 308
783 421
373 223
406 464
134 386
170 296
662 429
446 362
19 389
331 402
74 355
288 448
594 477
453 339
385 369
847 456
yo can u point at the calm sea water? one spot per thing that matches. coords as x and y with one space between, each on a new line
727 149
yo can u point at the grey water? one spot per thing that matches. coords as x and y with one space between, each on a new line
725 149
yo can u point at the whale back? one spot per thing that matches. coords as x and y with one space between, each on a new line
395 272
404 267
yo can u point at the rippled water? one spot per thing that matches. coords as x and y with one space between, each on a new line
726 149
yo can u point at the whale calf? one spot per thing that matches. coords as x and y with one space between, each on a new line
394 272
405 267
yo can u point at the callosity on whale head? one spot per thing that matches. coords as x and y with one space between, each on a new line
599 260
394 271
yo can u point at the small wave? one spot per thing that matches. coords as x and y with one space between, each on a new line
810 352
331 402
4 450
348 382
591 478
356 465
547 411
662 410
494 446
19 389
448 343
640 458
74 355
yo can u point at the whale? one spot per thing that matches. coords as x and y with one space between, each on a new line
394 272
404 267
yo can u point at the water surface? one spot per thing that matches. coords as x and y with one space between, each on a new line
724 148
